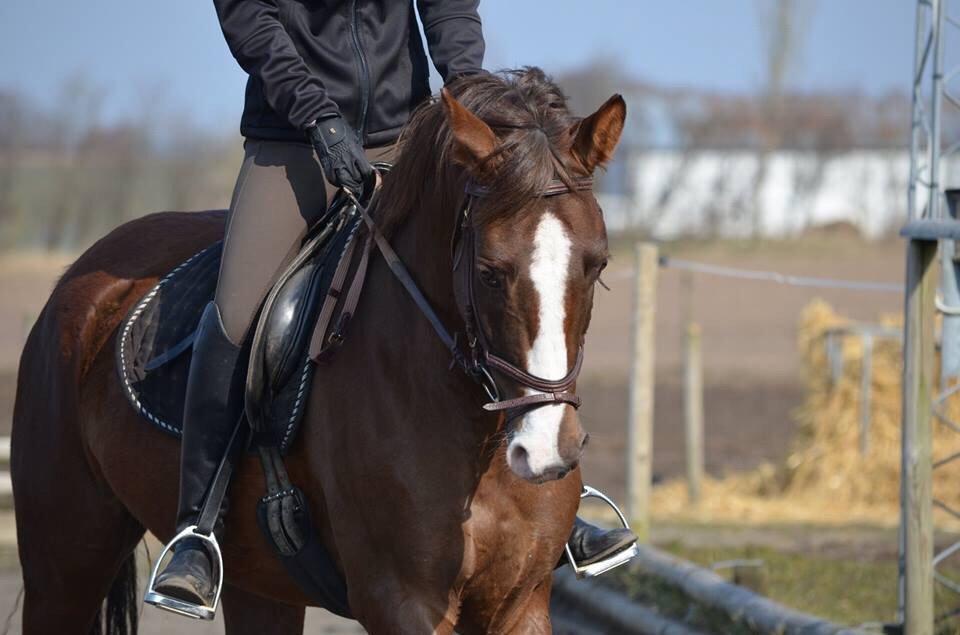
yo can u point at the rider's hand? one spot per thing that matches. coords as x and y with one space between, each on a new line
341 155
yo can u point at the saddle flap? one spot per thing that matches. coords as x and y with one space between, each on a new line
155 339
280 366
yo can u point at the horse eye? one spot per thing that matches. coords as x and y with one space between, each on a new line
490 278
597 278
595 270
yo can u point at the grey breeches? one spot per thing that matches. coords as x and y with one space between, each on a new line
279 193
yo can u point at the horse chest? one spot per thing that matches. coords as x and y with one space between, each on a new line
506 560
516 533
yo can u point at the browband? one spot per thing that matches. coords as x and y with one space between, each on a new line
554 188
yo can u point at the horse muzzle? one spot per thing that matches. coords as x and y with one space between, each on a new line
547 444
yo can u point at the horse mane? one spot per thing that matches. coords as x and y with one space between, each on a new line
528 113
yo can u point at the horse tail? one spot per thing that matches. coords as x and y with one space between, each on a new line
118 614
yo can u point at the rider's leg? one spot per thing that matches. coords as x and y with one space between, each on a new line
280 192
273 207
212 408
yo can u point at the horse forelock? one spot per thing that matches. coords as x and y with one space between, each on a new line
528 113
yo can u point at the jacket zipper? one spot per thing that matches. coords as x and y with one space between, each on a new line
364 72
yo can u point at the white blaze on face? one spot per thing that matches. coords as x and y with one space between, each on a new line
539 429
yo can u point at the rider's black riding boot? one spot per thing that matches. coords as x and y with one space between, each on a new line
590 544
212 409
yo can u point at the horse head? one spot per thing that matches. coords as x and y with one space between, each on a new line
537 254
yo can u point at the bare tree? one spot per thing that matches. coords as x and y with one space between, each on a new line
586 88
783 26
11 146
79 108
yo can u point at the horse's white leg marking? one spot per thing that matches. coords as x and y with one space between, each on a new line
539 429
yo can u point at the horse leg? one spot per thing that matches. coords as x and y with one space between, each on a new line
76 550
535 615
248 614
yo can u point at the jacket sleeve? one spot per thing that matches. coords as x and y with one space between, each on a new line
454 36
264 49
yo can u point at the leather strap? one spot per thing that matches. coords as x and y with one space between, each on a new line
532 381
353 293
376 237
520 406
172 353
330 302
409 284
553 188
325 340
213 503
284 518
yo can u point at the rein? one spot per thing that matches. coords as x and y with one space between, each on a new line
479 361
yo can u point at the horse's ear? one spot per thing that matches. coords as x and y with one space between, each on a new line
475 141
596 136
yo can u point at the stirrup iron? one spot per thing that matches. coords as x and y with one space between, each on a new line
175 605
612 561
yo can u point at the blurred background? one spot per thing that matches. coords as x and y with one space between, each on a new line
762 135
111 110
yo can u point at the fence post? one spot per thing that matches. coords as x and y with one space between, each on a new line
917 452
866 391
693 411
640 424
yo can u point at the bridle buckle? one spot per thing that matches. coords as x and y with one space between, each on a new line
488 382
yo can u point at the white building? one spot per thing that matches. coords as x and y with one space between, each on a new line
672 193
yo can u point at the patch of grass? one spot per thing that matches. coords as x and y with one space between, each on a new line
671 602
847 591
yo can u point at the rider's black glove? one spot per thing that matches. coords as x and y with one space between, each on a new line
341 155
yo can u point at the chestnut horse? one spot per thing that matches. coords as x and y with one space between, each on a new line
439 514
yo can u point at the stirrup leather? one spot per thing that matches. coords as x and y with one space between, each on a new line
612 561
175 605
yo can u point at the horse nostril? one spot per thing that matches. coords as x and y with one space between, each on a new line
519 457
562 473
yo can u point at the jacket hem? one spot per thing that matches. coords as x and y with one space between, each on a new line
269 133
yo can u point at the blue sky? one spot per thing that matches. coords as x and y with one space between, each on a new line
172 52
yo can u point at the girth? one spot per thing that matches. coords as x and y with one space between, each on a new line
478 361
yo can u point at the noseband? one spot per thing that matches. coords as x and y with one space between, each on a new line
478 361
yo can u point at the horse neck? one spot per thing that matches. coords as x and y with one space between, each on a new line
423 243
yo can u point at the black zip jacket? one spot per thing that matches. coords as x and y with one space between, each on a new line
362 58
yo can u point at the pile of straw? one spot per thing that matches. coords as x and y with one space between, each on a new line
825 478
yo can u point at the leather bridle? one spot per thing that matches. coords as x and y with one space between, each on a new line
481 359
478 360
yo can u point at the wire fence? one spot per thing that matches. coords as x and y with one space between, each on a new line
778 278
666 262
